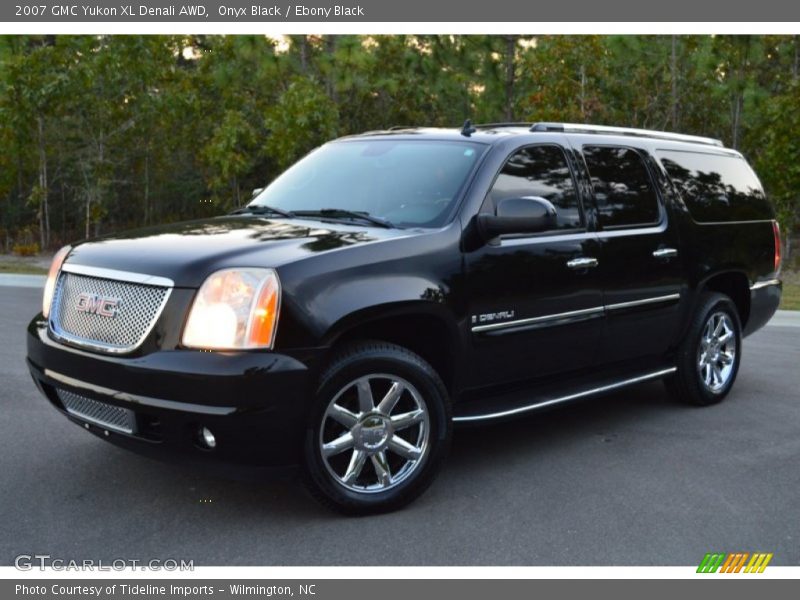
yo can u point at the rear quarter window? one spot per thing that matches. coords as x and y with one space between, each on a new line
716 187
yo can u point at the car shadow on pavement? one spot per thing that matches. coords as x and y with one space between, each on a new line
596 417
101 477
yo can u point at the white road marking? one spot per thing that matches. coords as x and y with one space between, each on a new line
25 281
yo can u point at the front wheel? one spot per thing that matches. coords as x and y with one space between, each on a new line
379 430
708 358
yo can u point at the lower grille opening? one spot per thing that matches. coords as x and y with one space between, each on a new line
114 418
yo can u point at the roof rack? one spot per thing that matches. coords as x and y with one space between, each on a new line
646 133
502 124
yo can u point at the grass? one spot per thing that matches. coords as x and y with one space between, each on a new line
18 266
791 290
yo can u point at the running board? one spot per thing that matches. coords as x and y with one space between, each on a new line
512 405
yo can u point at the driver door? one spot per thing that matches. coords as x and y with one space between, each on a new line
536 303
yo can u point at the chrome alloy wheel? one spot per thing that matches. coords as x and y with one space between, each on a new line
716 355
370 447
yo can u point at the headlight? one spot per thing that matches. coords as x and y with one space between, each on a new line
52 275
235 309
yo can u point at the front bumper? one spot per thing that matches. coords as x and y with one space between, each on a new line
255 403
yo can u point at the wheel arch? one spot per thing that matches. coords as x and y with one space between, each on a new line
425 328
735 285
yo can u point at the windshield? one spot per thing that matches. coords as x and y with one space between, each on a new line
405 182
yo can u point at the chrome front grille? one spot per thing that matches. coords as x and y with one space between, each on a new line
99 413
123 328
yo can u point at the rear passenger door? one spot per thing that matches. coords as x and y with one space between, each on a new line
639 258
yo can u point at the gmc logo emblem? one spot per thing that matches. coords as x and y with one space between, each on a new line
98 305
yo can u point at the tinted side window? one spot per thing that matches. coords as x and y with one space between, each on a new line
540 171
716 187
622 186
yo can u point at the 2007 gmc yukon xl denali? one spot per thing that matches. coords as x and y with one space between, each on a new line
393 283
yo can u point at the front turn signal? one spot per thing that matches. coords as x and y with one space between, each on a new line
52 277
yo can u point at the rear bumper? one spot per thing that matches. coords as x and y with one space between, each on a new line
255 403
765 297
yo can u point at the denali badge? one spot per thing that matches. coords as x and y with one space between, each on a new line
98 305
495 316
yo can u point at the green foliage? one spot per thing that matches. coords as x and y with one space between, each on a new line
302 118
565 67
778 163
230 152
100 133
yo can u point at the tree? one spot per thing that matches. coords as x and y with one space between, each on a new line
36 83
565 79
303 118
100 133
779 161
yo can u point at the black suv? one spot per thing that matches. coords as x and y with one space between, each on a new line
393 283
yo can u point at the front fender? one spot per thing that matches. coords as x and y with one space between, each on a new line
326 295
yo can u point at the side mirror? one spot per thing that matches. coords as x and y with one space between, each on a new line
530 214
257 191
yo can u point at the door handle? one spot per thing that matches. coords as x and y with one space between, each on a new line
582 263
665 253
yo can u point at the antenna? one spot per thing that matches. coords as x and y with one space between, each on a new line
467 130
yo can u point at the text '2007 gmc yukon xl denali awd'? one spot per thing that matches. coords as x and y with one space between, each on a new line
393 283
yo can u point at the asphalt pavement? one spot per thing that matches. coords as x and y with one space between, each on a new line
625 479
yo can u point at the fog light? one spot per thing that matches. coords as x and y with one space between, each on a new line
207 438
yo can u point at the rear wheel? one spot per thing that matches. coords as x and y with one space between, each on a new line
379 430
708 358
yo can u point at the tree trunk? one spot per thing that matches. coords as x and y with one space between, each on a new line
63 212
19 145
147 185
511 46
88 213
98 186
303 54
44 211
330 80
738 101
88 206
738 98
89 190
582 96
674 82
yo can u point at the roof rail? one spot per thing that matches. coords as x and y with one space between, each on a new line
646 133
401 127
498 125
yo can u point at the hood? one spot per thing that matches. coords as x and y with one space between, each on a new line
188 252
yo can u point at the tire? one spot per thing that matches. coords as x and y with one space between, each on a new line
707 365
387 461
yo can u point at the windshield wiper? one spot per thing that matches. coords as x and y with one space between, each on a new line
337 213
261 209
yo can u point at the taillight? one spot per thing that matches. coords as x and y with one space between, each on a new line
776 230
